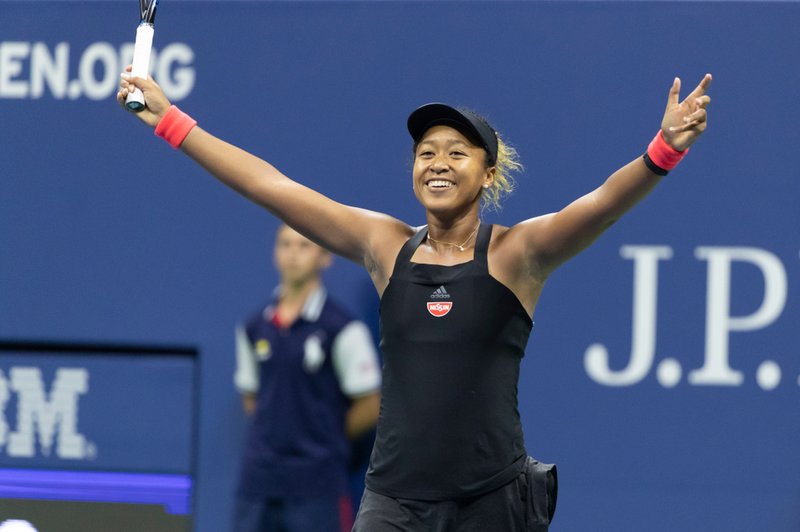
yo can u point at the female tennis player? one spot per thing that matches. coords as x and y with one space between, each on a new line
457 299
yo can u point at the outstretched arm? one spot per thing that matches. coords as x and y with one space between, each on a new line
347 231
552 239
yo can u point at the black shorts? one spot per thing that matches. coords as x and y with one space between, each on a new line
526 504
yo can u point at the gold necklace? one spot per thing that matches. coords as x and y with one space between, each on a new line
459 246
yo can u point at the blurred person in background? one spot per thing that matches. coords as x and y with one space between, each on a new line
309 377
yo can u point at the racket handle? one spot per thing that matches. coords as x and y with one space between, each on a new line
141 64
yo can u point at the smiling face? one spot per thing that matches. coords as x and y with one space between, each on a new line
449 171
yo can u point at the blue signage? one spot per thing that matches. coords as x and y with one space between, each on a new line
96 411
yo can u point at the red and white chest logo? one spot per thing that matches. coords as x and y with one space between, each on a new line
439 308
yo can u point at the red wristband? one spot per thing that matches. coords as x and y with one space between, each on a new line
662 154
174 126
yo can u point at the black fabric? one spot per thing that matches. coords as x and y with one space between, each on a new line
541 492
653 167
525 504
449 426
468 123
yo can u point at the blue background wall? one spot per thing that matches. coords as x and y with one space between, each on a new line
106 234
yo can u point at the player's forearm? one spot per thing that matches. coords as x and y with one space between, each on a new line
622 190
247 174
336 227
581 222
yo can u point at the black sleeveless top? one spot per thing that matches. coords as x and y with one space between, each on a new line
452 339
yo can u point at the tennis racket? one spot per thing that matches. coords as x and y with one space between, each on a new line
141 51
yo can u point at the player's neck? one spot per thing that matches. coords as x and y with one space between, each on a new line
447 236
453 225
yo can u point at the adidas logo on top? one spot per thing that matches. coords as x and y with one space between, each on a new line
437 309
440 293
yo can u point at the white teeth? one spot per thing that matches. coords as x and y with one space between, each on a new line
439 183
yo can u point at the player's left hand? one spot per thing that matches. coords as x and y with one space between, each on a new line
685 121
156 103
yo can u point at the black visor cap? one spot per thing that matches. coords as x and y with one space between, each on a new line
466 122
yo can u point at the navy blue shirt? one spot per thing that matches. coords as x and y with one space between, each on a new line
304 377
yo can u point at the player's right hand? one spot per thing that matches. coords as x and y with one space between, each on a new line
156 103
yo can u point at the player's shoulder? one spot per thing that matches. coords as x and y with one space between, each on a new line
521 234
501 235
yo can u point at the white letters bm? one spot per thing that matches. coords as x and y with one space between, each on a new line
35 411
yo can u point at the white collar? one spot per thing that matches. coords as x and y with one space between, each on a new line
312 307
